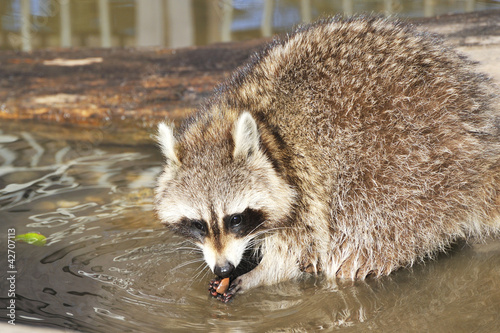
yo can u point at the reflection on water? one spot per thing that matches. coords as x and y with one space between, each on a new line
28 24
108 266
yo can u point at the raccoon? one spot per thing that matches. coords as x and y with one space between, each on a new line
351 147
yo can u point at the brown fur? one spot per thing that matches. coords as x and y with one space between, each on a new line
389 140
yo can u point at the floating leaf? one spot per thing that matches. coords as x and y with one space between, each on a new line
32 238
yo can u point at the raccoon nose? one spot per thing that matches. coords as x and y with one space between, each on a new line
225 270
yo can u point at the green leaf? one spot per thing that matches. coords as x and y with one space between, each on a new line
32 238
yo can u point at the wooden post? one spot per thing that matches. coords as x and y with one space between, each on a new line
26 25
227 20
305 10
180 23
65 11
429 8
266 26
104 23
348 7
150 23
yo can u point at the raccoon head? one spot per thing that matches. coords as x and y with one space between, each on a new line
220 190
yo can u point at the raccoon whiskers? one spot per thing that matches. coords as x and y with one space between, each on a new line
190 249
257 227
269 230
188 245
203 268
254 244
188 263
253 239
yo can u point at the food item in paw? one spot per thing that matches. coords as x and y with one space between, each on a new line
223 285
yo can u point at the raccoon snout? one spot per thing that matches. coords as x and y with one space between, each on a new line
224 271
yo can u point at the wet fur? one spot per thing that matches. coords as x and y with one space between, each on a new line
367 146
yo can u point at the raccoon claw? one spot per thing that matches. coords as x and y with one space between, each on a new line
212 287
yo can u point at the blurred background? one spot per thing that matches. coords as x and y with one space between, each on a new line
34 24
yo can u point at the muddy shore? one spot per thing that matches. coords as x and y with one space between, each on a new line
118 95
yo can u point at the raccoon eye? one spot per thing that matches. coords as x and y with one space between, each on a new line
236 220
198 225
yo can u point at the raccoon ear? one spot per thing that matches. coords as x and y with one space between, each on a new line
167 142
246 136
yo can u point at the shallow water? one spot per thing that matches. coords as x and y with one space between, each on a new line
108 265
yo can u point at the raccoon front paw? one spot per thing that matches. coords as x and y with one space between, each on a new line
225 297
213 285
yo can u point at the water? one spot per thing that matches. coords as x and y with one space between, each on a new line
108 266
